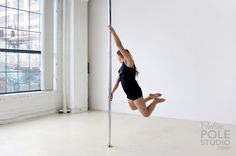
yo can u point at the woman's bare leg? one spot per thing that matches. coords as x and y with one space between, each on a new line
150 97
132 105
147 111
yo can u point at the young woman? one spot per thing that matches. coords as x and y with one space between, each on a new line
127 73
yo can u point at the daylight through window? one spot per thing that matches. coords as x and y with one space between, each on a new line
20 48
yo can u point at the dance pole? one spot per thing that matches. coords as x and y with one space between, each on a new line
110 73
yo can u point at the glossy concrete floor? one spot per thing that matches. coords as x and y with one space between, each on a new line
85 134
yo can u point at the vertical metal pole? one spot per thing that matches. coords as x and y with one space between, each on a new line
64 109
110 72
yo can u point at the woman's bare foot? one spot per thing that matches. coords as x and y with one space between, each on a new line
152 96
158 100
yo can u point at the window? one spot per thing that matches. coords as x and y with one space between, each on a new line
20 49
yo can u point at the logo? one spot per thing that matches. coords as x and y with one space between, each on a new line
215 135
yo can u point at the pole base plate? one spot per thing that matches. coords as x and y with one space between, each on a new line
110 146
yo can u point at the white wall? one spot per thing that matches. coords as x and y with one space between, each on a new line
15 107
184 49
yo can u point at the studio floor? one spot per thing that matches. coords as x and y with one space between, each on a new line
86 134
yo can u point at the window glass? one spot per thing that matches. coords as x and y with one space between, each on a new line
20 49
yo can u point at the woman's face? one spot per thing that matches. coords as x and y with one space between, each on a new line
120 58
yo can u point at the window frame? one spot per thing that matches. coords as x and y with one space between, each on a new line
22 51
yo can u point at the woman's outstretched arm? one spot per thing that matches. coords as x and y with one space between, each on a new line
114 88
118 43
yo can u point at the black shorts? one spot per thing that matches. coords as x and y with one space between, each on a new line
134 92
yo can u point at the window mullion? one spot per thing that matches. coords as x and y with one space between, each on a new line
16 41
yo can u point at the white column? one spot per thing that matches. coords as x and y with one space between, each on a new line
75 48
47 44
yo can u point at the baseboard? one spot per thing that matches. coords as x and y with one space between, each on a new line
27 116
79 110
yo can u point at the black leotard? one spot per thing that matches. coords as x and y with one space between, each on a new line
128 82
